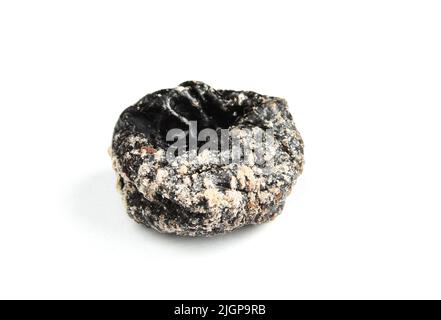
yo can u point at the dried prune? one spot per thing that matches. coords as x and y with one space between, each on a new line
212 190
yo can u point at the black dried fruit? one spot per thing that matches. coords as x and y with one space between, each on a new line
208 193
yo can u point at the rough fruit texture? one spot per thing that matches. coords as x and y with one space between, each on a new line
203 196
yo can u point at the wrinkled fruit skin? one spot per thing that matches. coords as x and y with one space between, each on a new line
201 197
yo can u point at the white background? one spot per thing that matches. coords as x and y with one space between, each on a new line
363 81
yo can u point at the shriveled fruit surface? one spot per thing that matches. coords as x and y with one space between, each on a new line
204 195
